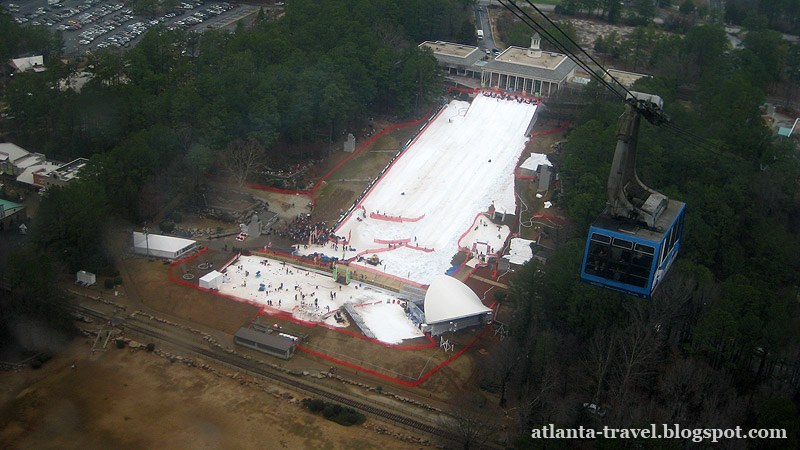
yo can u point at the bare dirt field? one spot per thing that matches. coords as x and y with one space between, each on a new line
138 400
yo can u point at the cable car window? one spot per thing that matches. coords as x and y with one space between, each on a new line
599 250
622 243
619 260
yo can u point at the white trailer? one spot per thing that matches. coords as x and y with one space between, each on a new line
86 278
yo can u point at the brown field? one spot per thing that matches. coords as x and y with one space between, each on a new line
137 400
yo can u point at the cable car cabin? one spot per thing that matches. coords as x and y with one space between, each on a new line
629 257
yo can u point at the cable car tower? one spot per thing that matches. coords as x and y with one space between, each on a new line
633 243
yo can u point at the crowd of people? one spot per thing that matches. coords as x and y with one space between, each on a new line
303 231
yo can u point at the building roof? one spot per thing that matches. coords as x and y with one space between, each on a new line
43 168
35 63
70 170
31 159
787 132
547 66
8 207
11 152
211 276
451 54
279 342
626 78
160 242
448 299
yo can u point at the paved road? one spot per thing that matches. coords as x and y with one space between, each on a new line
482 23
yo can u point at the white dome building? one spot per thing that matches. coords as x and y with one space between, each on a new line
450 305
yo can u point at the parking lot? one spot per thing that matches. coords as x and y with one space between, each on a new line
94 24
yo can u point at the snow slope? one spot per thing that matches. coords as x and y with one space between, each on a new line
461 165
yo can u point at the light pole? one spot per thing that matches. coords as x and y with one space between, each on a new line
146 232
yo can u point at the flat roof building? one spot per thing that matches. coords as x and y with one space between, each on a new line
9 155
528 70
161 246
64 174
280 345
516 69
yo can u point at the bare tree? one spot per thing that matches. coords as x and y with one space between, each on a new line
471 421
598 362
501 365
241 157
637 354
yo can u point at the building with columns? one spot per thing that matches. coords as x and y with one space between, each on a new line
517 69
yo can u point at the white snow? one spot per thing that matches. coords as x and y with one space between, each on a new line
460 166
534 161
385 319
520 251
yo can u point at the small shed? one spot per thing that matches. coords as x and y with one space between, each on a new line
280 345
211 280
86 278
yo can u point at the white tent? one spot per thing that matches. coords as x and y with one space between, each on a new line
161 246
211 280
451 305
535 161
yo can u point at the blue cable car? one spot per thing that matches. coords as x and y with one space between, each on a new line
633 243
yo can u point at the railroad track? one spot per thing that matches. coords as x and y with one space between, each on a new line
251 367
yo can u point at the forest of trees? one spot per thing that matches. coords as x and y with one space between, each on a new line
717 346
153 119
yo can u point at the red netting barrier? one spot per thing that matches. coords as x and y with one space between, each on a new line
389 377
392 241
360 202
262 187
422 249
554 130
386 218
462 248
369 141
225 266
189 258
310 193
553 218
534 100
394 219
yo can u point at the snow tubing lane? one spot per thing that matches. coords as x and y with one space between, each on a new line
369 141
413 141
